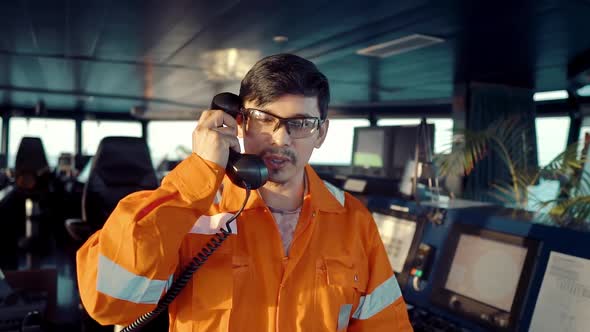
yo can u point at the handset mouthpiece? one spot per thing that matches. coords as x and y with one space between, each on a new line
246 168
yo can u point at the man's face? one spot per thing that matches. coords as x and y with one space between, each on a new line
285 156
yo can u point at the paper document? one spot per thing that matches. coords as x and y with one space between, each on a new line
564 299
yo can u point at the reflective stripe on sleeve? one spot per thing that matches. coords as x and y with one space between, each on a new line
343 316
384 295
169 282
115 281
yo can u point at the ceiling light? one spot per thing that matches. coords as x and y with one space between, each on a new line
550 95
400 45
280 39
230 64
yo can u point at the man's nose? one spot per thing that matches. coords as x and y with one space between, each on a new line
280 135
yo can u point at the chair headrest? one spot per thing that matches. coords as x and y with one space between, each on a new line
123 161
30 157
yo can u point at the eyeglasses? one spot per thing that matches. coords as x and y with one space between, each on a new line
298 127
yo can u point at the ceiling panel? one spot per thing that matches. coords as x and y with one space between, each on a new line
107 55
16 32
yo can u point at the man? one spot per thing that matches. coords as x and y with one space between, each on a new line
305 256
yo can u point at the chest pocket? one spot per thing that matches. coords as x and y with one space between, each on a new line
213 283
340 280
344 272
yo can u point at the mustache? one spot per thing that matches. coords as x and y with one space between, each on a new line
282 152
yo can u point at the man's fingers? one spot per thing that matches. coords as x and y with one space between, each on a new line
235 145
216 118
216 132
229 120
229 131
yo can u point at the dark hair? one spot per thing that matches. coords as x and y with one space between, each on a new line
281 74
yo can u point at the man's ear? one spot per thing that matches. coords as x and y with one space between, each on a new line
323 132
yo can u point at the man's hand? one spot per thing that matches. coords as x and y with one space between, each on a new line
212 140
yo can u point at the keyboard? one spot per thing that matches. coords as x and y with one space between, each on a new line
426 321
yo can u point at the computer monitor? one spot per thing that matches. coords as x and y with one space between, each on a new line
483 275
400 233
385 151
371 149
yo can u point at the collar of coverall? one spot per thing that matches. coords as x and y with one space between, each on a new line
320 196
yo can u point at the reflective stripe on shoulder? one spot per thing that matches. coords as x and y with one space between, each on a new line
212 224
384 295
338 193
218 195
115 281
217 199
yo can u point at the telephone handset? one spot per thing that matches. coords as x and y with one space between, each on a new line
245 170
242 169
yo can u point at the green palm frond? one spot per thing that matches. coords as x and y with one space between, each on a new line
567 160
466 152
575 207
510 136
508 139
524 180
504 193
583 188
579 184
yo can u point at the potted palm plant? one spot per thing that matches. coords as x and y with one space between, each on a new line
570 207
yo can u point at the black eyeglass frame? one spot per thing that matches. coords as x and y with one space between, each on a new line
318 121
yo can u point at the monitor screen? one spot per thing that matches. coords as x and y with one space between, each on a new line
484 275
368 147
486 270
385 151
397 235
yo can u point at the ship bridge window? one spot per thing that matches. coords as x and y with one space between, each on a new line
170 140
337 148
93 131
57 135
552 135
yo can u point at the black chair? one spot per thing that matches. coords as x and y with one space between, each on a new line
31 170
121 166
32 179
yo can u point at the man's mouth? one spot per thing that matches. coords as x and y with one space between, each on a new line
274 161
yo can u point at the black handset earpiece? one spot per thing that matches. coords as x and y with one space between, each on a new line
242 169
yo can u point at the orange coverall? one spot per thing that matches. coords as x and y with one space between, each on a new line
337 276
